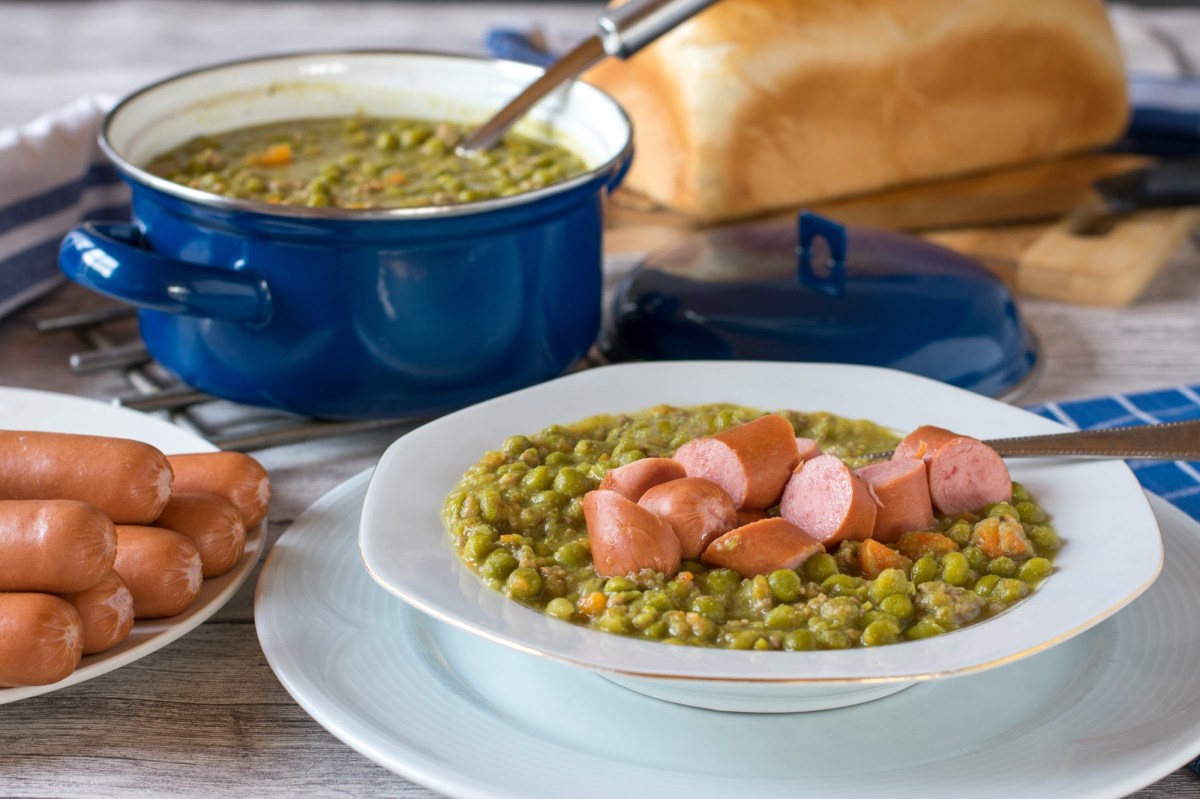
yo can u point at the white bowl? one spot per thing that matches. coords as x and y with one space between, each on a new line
1111 553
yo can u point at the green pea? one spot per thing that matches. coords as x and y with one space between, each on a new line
785 585
1001 509
820 567
538 478
571 482
1009 590
1002 566
898 605
1044 537
1035 570
782 617
799 641
955 569
743 639
498 565
880 632
1020 493
720 581
489 504
959 533
548 499
614 620
925 628
889 582
657 600
560 608
556 460
523 583
840 585
1030 513
657 630
710 607
833 639
975 558
414 136
924 570
615 584
985 584
573 554
478 547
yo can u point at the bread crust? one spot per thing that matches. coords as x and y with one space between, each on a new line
760 105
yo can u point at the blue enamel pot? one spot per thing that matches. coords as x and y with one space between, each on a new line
349 314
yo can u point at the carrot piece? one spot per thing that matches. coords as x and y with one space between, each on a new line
874 557
918 543
592 604
275 155
395 179
1002 537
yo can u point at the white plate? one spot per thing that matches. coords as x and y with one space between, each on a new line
1097 507
26 409
1104 714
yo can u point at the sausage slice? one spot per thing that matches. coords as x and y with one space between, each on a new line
827 500
633 479
762 547
901 488
807 449
964 473
698 510
627 538
751 462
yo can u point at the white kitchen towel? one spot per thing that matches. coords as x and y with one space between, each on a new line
52 175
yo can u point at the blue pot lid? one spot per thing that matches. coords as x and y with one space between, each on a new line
815 290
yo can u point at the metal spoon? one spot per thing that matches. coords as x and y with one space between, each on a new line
1171 441
621 32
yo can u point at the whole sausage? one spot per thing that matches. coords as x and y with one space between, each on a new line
41 639
161 569
128 480
762 547
964 473
698 510
825 499
234 475
627 538
213 524
901 488
751 462
54 546
633 479
106 610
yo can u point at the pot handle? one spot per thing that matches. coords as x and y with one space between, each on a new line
114 259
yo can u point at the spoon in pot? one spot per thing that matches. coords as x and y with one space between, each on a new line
1170 441
621 32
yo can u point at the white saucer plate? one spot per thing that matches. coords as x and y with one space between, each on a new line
1103 714
1097 506
27 409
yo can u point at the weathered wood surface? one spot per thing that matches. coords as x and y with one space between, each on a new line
206 716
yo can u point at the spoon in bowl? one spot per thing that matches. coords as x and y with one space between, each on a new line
622 31
1171 441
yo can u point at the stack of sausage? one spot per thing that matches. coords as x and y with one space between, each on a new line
756 498
96 532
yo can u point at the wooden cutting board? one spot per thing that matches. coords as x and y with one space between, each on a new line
1013 221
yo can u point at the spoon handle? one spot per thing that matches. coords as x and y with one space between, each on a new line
621 32
1171 441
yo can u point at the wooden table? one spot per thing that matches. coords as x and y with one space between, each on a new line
206 715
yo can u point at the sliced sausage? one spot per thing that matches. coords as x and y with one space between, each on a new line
129 481
807 449
744 517
41 639
627 538
161 569
698 510
106 610
54 546
901 487
964 473
827 500
234 475
213 524
751 462
633 479
762 547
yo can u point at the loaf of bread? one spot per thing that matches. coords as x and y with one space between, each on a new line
760 105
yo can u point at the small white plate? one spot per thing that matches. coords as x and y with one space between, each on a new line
1106 713
1097 506
26 409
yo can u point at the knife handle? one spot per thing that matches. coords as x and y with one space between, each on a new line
1169 183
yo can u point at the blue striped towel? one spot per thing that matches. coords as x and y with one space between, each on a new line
52 175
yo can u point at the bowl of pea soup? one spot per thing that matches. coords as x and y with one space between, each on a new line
420 528
305 236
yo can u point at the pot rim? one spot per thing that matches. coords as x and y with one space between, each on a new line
223 203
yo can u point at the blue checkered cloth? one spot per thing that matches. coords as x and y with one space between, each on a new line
1177 482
